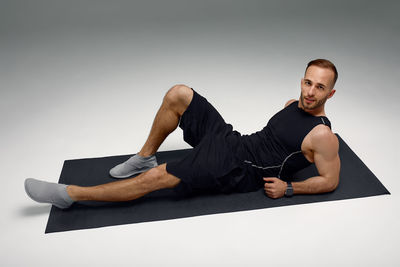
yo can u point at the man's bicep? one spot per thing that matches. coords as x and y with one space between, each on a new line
327 161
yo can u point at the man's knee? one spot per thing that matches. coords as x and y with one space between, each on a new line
179 97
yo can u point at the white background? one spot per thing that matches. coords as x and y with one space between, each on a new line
85 78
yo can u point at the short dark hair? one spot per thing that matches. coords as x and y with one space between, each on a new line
323 63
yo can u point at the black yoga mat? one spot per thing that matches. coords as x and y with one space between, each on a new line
356 181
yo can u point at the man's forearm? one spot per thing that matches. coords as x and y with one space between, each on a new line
313 185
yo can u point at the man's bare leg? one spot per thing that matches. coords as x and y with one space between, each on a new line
174 104
64 196
128 189
167 118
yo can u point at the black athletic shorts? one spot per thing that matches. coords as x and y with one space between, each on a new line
215 163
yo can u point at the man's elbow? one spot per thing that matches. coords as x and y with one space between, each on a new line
333 184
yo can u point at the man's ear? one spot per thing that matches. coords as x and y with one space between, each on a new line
333 91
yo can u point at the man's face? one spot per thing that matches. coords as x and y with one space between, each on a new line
316 87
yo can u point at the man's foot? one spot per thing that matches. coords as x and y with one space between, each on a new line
134 165
45 192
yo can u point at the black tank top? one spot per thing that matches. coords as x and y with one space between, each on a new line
276 150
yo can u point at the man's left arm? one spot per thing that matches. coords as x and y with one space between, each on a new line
327 161
326 146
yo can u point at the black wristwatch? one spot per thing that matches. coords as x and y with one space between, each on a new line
289 190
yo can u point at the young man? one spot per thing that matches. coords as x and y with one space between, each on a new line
223 159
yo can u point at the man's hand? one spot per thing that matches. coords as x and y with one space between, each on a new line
274 187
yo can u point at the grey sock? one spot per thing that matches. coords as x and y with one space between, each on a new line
45 192
135 164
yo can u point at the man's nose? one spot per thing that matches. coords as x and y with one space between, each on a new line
311 90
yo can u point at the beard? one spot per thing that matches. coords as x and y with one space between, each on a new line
314 105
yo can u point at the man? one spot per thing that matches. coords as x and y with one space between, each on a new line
223 160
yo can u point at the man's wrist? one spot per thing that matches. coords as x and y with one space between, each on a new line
289 189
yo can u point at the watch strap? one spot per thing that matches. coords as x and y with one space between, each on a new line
289 189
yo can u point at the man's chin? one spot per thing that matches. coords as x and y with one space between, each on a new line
310 106
307 105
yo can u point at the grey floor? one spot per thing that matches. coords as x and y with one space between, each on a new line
85 78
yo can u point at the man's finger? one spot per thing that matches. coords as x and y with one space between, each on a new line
269 191
270 179
268 186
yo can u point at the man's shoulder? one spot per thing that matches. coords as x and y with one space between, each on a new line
323 137
290 102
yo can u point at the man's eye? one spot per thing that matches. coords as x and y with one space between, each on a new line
321 87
